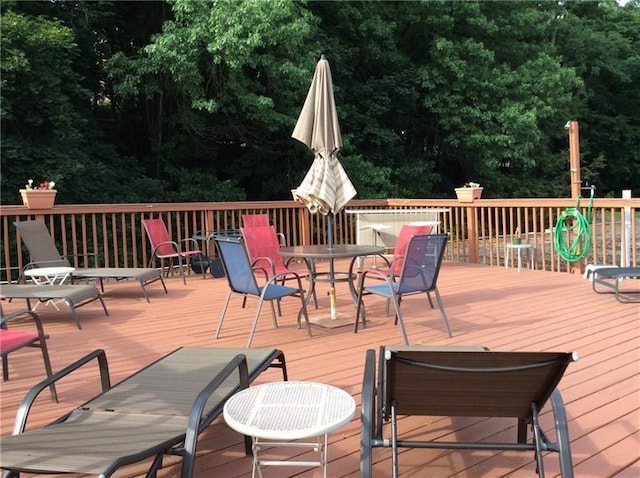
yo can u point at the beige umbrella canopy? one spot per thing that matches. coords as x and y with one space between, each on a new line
326 187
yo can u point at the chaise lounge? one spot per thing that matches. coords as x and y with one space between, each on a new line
74 295
157 411
463 382
44 253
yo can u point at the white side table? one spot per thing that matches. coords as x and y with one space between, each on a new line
519 249
49 276
289 411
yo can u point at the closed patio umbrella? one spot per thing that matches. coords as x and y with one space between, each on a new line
326 188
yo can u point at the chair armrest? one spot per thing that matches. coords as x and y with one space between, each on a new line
196 421
375 273
392 265
175 245
272 266
192 244
282 239
36 318
387 263
262 271
24 408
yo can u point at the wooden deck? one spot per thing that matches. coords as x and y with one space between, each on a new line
502 309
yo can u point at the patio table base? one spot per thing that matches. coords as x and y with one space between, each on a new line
325 321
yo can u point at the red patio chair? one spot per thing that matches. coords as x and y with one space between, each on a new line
262 246
12 340
393 268
419 275
262 220
166 248
254 220
406 233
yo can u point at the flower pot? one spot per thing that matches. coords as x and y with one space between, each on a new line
38 198
468 194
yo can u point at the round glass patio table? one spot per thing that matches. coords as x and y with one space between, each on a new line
339 251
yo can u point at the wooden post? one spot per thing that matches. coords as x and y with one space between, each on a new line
472 234
576 183
574 159
305 226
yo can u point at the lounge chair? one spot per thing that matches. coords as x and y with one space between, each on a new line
166 248
463 382
12 340
44 253
242 281
419 275
75 295
157 411
608 280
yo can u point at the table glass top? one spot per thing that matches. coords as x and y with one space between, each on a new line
337 251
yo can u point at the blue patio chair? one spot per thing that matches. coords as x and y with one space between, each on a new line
419 274
242 280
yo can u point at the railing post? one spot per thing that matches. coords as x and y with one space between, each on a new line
209 227
472 233
305 226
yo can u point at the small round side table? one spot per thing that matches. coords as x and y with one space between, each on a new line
279 411
49 276
519 249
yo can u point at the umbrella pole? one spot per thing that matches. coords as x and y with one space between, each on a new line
332 287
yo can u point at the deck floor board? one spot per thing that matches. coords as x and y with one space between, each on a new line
492 306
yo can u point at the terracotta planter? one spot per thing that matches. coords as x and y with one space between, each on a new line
38 198
468 194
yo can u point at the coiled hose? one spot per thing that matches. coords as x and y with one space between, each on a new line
573 224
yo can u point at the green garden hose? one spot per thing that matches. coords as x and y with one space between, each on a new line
573 224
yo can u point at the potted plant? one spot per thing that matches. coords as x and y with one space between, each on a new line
41 196
516 239
469 192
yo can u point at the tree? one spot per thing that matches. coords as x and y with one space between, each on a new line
601 41
41 126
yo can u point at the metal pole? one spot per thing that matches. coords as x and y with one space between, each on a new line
332 287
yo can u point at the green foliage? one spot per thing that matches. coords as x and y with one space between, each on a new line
41 127
196 101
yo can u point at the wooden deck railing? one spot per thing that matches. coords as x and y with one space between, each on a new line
478 231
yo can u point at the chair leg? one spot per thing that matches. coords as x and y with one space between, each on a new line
5 368
48 369
394 442
273 312
367 416
360 305
304 310
181 269
396 305
224 311
537 438
444 316
255 323
562 434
